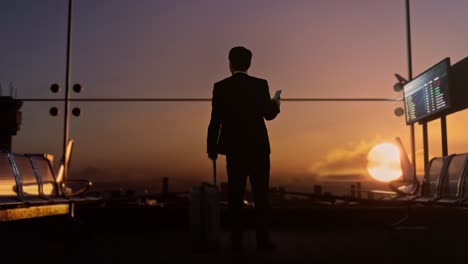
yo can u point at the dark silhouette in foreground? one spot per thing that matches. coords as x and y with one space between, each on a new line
240 104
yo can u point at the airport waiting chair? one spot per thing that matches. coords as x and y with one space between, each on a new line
49 187
74 189
431 188
36 182
463 201
28 186
432 181
451 190
441 190
8 182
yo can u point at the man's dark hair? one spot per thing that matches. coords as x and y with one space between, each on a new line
240 58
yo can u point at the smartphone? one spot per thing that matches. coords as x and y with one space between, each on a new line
277 95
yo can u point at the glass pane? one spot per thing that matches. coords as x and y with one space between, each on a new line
177 48
34 53
150 49
136 145
35 58
40 132
436 34
448 20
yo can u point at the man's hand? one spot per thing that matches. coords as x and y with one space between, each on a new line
278 101
212 156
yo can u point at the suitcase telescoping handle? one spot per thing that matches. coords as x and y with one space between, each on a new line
214 173
214 184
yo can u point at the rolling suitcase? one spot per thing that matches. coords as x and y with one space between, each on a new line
205 216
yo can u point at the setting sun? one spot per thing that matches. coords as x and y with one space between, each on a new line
383 162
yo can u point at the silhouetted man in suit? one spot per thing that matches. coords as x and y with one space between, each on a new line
237 129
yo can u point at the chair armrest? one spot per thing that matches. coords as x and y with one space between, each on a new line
79 186
413 187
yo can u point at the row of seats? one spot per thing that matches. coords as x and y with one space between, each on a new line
444 183
28 180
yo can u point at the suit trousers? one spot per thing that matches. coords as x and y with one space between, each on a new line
256 167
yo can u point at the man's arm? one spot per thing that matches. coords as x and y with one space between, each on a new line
272 107
214 126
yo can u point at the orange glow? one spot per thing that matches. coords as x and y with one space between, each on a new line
48 189
31 189
7 188
383 162
60 174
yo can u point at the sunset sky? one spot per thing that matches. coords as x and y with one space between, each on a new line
178 49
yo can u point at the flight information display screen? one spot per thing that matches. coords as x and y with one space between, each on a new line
427 96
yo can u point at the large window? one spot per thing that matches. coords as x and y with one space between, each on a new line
161 49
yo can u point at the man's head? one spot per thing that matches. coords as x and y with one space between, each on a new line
239 59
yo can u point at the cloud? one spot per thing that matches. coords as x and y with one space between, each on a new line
345 163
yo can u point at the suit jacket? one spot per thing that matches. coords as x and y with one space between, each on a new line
240 105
